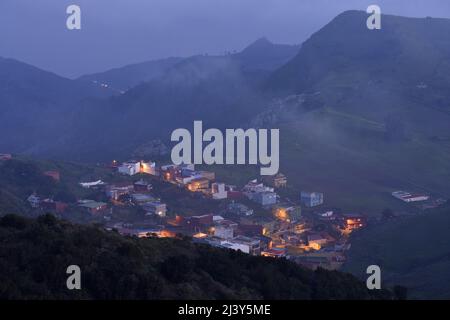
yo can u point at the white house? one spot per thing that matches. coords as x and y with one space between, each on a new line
88 185
235 246
130 168
244 244
224 229
34 200
218 191
148 167
224 232
410 197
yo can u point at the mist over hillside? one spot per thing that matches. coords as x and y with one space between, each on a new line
354 104
149 100
35 106
372 109
361 113
261 55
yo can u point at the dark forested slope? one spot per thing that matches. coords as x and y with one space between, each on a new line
34 256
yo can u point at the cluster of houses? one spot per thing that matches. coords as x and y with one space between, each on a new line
237 228
195 180
46 204
218 231
59 207
319 239
314 247
182 175
136 193
286 233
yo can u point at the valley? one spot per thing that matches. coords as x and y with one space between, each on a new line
361 114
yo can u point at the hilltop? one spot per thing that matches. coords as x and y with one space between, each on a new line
364 112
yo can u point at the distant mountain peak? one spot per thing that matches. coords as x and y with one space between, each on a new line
259 44
266 55
263 40
346 45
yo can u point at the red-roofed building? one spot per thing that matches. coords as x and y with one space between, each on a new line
5 156
53 206
198 223
236 195
55 175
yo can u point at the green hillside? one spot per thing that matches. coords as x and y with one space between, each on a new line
413 252
363 113
357 166
35 106
23 176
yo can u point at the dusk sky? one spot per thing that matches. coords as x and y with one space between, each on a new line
119 32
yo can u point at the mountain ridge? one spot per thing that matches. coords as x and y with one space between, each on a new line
261 55
346 35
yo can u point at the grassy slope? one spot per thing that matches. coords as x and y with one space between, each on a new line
357 168
348 157
23 176
414 252
359 80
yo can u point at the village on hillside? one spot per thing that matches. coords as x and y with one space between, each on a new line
253 218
